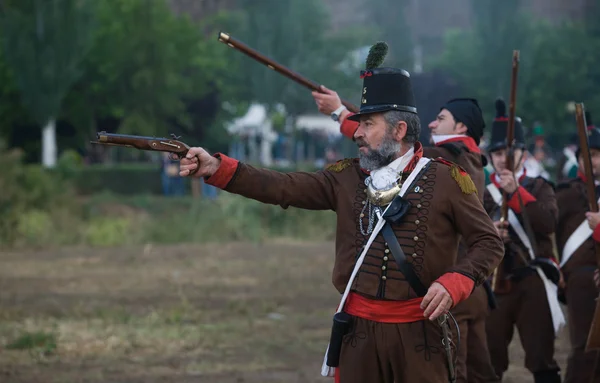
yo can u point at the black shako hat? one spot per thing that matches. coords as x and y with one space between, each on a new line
499 128
384 88
588 120
467 111
593 139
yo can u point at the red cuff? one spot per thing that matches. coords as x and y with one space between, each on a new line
596 233
458 286
224 173
348 127
514 200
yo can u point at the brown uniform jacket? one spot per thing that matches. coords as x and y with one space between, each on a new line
542 211
428 234
460 154
573 204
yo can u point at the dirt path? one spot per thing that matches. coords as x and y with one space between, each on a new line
217 313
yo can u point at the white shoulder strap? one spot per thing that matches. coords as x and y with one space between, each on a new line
512 219
325 369
576 239
558 319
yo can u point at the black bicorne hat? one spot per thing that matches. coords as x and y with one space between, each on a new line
499 128
384 89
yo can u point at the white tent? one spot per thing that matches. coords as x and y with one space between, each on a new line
255 123
318 122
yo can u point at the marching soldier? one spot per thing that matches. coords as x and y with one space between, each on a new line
456 132
396 243
524 283
566 168
577 230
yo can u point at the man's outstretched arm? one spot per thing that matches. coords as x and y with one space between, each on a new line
314 191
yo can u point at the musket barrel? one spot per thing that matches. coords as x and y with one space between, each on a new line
593 340
225 38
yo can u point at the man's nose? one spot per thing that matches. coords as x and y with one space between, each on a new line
433 124
358 133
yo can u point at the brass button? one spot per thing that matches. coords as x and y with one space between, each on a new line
387 251
424 177
364 202
416 238
417 222
383 267
421 191
365 190
414 255
419 206
384 277
385 258
385 244
361 215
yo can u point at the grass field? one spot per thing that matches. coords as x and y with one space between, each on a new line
230 313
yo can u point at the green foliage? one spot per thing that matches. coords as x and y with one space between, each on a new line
234 218
34 227
127 179
294 33
108 231
144 66
556 63
40 342
44 42
376 55
29 193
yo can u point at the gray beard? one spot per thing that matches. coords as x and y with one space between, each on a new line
380 157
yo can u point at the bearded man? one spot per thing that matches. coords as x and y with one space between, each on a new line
400 218
456 132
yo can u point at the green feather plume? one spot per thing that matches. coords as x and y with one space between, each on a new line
377 54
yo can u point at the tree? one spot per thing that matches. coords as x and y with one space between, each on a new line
556 61
296 34
156 72
44 43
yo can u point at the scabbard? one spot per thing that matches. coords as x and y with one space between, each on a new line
340 327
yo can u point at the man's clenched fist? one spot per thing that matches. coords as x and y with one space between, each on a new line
200 159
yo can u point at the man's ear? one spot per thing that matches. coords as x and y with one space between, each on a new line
460 128
400 130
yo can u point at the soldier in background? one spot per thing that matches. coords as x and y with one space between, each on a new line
567 166
578 230
525 297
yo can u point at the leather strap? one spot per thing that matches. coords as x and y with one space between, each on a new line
400 258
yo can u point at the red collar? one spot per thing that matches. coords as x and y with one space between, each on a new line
495 182
583 177
413 162
469 142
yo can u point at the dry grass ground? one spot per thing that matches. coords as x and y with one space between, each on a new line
227 313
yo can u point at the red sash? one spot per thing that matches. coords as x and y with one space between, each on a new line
384 311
